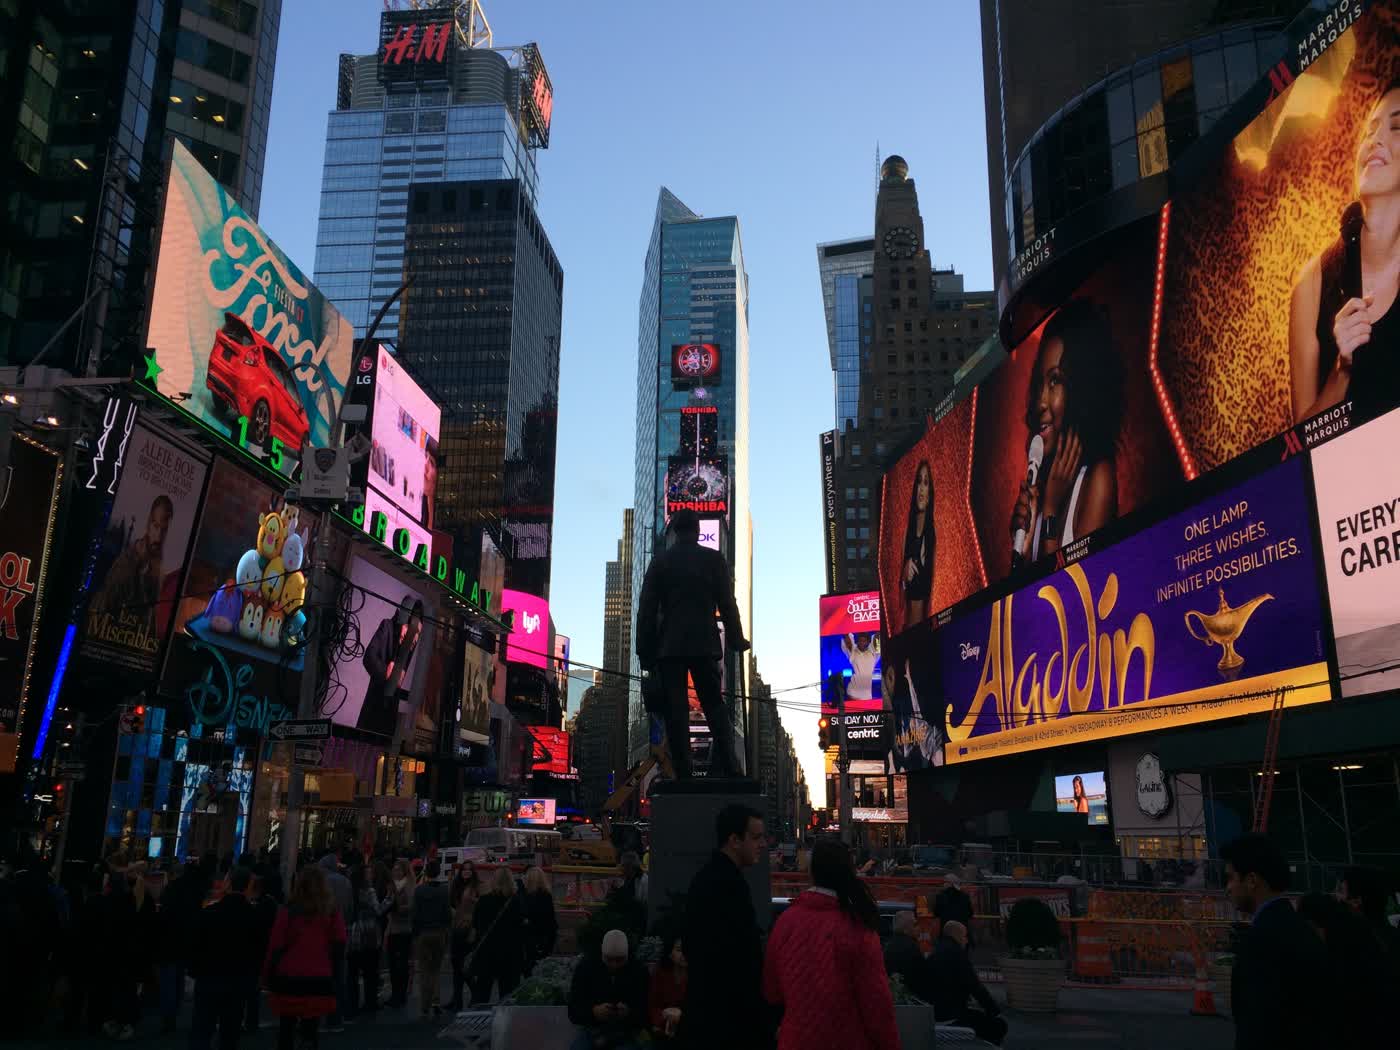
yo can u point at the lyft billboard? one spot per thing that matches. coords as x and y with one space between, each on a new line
529 634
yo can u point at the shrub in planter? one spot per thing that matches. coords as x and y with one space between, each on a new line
1033 970
1032 930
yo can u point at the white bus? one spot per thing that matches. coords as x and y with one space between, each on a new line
517 846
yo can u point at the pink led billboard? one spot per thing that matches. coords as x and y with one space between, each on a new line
529 637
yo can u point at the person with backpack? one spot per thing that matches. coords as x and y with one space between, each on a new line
362 957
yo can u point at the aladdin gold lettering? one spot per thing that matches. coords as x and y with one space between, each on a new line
1099 668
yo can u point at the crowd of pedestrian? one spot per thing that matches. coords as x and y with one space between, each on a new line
114 951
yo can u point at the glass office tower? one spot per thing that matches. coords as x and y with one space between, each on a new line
440 121
693 410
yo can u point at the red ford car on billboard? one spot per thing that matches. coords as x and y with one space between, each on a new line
247 377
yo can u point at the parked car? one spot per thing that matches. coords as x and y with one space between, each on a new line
248 377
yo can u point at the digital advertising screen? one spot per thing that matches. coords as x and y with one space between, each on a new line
1201 616
697 483
236 651
242 339
710 533
850 651
1271 319
695 363
370 691
1083 793
551 750
474 725
529 635
1057 443
27 504
404 429
538 812
143 553
1358 510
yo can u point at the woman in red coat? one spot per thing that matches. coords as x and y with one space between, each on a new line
824 966
299 971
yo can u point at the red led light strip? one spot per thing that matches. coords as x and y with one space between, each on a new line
1188 464
967 505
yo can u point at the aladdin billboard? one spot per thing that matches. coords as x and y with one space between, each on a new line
1201 616
241 340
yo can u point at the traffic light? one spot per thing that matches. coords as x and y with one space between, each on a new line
60 799
823 734
138 718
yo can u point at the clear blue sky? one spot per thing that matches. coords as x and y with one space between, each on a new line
769 110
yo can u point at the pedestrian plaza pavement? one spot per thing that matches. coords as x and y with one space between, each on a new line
1098 1019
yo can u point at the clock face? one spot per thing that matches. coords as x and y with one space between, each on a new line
901 243
696 360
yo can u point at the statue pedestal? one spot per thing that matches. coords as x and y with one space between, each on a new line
683 816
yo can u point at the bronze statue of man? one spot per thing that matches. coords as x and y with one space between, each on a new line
686 594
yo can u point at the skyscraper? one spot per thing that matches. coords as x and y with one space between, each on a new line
693 408
430 177
617 609
424 108
92 95
899 329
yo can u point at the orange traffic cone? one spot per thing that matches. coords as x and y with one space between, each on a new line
1203 1001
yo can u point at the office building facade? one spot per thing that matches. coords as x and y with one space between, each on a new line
899 329
693 409
422 109
92 96
1089 98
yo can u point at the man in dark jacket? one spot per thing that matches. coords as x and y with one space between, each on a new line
724 1004
225 961
955 982
677 637
1281 985
608 998
904 957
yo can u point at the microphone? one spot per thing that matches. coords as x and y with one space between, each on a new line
1035 455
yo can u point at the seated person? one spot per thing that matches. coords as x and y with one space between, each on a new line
955 981
904 957
667 994
608 998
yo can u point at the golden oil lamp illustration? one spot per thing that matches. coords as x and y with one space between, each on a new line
1223 628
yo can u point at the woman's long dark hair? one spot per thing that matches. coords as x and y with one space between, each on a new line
1093 378
832 869
910 531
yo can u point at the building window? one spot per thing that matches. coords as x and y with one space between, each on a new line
851 555
864 513
850 532
864 492
850 514
850 494
909 326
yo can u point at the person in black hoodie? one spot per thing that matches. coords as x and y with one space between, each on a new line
264 898
608 997
541 925
225 961
1281 987
724 1003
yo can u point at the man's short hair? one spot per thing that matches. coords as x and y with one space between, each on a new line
734 819
685 523
434 869
1258 854
904 922
239 879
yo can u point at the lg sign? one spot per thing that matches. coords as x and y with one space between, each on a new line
527 636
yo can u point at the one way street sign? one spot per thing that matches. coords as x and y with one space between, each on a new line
301 729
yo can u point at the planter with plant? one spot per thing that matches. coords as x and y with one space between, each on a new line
1033 969
912 1016
536 1014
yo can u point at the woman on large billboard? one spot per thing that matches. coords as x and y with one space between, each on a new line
1074 403
1344 324
919 546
